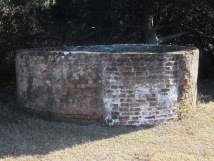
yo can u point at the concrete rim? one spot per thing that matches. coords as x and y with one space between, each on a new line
114 49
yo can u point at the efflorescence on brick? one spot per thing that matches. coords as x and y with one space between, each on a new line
114 85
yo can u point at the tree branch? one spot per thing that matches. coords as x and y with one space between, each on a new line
163 39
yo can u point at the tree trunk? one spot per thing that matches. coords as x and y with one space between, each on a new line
149 35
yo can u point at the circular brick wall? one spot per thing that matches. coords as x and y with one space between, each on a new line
112 84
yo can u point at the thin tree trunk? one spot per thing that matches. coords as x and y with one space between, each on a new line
149 35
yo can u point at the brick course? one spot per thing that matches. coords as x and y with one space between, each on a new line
116 84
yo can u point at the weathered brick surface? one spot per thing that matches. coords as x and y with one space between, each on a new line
118 84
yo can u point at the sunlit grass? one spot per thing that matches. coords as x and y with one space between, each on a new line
192 138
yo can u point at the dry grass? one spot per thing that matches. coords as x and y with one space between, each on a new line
32 139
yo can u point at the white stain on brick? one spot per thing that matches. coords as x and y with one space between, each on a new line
66 53
108 110
165 108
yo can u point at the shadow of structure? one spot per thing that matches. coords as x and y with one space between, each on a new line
21 134
206 91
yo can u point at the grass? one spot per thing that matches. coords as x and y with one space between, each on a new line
31 139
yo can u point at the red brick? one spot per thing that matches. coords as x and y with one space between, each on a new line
123 118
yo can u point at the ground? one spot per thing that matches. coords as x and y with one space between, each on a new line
30 139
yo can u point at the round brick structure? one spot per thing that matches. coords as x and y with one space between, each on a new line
124 84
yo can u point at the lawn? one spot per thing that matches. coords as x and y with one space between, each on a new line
32 139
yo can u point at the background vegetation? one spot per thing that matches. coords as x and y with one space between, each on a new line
32 23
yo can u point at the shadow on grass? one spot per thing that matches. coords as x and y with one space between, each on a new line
206 91
21 134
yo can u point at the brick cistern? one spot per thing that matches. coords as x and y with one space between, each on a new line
124 84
